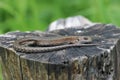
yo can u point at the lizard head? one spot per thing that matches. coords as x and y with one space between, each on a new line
85 39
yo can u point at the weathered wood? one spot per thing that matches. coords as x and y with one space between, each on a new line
78 63
10 65
70 22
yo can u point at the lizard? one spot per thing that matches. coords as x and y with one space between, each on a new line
47 45
53 41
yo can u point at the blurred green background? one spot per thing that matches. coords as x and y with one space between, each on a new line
32 15
25 15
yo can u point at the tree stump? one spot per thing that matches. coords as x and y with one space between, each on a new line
77 63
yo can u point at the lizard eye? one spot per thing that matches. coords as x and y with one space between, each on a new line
78 40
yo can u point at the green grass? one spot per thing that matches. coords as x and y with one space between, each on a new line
32 15
0 74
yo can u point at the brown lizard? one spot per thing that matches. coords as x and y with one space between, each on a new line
46 45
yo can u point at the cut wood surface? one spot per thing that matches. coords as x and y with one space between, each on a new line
77 63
